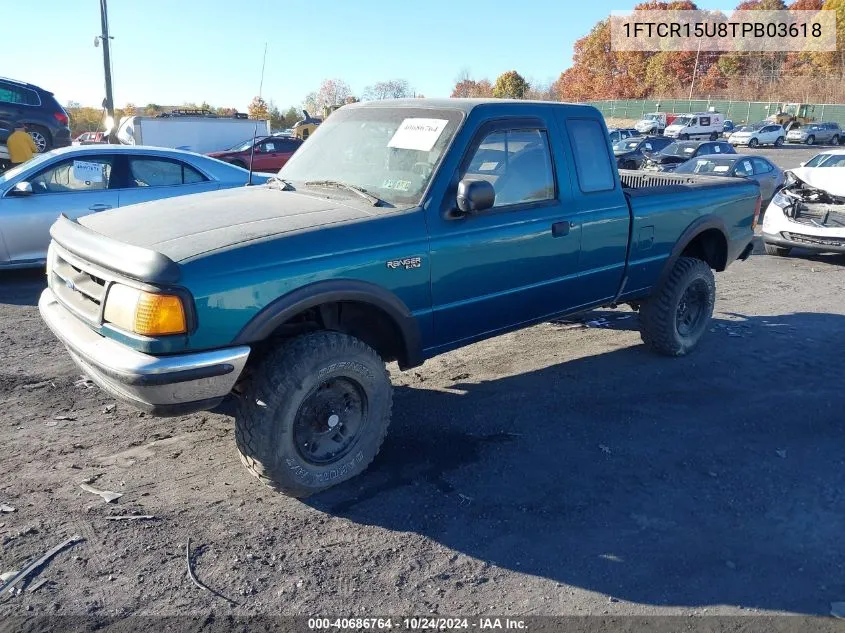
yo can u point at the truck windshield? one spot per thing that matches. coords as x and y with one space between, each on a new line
651 117
389 152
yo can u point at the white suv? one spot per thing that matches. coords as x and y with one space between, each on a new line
759 134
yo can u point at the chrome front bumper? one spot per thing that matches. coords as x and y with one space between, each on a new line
162 385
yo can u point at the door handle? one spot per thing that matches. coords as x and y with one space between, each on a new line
559 229
99 207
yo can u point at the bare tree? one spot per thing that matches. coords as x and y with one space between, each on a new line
332 92
391 89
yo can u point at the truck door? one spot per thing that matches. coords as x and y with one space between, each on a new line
517 261
600 209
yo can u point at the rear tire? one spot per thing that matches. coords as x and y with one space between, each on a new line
753 142
778 251
683 137
239 163
315 413
674 319
41 137
714 137
835 140
811 139
779 141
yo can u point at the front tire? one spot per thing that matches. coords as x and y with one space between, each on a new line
779 141
315 413
811 139
779 251
683 137
835 140
753 142
676 316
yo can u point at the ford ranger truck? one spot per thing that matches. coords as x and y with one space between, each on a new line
401 230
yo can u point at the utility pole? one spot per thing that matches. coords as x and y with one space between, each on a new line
108 103
694 69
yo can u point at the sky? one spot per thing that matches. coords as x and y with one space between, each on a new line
171 52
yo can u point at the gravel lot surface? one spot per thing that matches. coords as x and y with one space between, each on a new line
562 469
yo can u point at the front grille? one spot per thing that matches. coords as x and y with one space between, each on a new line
77 287
815 240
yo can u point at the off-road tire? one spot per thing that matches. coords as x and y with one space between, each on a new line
282 381
658 314
779 251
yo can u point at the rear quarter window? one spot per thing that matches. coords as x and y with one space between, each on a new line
592 160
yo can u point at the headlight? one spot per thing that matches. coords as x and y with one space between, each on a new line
782 200
150 314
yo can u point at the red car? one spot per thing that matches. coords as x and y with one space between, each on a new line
271 152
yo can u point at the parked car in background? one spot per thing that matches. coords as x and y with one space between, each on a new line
90 138
679 152
654 122
631 152
832 158
701 125
809 212
812 133
87 179
759 134
45 120
769 176
619 134
270 153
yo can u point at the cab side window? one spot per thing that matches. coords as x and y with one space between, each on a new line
517 163
592 160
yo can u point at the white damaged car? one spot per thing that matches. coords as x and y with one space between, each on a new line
808 212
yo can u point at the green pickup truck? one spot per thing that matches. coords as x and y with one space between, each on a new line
401 230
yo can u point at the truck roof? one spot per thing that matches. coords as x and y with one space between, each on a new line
467 105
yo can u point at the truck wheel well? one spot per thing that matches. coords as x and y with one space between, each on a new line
710 246
355 318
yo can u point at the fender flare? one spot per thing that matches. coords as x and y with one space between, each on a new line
274 314
696 228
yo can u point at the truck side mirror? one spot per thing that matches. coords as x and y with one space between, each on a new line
475 195
22 189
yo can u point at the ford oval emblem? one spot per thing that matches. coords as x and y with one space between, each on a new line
70 284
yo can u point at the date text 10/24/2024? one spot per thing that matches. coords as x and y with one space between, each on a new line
417 624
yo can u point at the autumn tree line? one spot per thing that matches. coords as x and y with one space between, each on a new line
597 73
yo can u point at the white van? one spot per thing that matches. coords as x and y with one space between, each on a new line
200 134
701 125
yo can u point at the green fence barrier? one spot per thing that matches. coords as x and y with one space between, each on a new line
736 111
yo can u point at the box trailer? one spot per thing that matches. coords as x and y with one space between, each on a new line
196 133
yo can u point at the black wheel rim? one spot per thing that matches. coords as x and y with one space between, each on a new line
692 308
330 420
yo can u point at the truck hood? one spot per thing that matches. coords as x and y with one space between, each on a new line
184 227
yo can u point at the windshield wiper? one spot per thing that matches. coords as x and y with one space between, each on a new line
360 191
284 185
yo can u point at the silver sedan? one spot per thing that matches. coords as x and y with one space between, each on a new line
87 179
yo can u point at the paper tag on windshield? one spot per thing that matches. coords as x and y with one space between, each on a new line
721 168
87 172
418 134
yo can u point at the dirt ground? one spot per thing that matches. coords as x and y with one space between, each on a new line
562 469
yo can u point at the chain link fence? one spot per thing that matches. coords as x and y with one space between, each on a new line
736 111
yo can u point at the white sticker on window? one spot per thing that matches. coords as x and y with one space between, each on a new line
488 166
720 168
87 172
418 134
